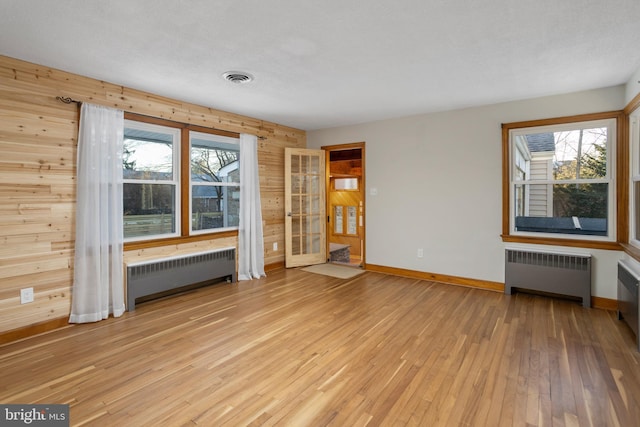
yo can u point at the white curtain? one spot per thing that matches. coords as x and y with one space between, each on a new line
98 274
250 243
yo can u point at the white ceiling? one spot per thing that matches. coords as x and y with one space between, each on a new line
327 63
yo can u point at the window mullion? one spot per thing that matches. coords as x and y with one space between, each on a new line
563 182
185 182
216 184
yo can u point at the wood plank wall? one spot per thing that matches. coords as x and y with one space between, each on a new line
342 169
345 198
38 143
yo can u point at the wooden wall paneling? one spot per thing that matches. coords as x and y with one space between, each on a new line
38 142
342 167
49 304
13 266
37 199
271 164
41 280
274 233
346 198
178 249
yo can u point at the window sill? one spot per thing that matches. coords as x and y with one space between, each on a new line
591 244
156 243
631 250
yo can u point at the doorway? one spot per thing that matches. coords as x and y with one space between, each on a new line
345 190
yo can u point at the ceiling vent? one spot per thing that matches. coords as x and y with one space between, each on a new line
237 77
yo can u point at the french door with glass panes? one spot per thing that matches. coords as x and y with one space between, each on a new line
305 207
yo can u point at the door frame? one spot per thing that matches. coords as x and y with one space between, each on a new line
339 147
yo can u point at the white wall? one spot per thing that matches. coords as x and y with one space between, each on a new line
633 87
439 185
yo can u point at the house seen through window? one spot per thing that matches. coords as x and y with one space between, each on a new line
215 182
561 179
155 200
151 186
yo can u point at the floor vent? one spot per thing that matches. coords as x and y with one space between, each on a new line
167 274
554 273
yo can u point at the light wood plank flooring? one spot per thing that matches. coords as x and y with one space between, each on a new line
302 349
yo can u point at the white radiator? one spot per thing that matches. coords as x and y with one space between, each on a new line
561 274
161 275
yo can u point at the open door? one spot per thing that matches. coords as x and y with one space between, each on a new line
305 220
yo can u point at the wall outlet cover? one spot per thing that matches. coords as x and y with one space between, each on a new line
26 295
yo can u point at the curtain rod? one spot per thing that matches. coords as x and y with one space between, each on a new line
69 100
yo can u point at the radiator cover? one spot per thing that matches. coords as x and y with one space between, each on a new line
628 298
166 274
562 274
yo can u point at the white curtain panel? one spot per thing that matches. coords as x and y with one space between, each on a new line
98 275
250 242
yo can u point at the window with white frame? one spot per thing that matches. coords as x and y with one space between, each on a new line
561 180
179 180
151 181
215 182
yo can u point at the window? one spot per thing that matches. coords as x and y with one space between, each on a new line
634 136
560 178
215 182
344 184
344 220
179 180
151 181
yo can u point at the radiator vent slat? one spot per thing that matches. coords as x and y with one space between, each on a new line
163 275
562 274
572 262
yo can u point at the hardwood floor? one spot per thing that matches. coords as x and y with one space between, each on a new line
302 349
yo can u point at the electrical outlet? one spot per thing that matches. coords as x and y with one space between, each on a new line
420 252
275 246
26 295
